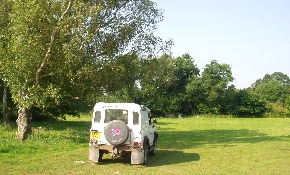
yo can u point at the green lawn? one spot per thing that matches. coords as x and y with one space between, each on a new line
185 146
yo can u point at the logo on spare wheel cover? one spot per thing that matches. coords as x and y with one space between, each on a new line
116 132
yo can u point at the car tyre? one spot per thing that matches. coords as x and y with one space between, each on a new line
145 152
101 153
153 151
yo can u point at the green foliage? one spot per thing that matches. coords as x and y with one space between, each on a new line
209 92
156 81
274 89
248 104
163 82
277 110
185 70
277 76
195 93
122 72
55 53
227 101
60 57
123 95
11 107
271 91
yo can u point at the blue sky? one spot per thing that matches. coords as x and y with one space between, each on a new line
253 36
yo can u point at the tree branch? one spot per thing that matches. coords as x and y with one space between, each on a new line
106 14
52 37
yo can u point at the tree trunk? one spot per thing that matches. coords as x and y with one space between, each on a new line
192 107
5 109
24 124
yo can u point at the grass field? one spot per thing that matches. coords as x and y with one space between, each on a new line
185 146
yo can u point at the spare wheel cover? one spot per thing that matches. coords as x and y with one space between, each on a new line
116 132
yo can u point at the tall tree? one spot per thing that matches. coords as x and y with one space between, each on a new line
156 79
163 82
195 93
216 79
52 51
185 70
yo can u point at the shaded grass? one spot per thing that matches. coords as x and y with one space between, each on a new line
185 146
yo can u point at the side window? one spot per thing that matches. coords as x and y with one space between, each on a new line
97 118
135 118
144 118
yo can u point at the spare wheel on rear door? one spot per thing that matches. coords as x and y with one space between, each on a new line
116 132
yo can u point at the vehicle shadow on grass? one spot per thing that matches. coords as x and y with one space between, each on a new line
162 157
170 157
198 138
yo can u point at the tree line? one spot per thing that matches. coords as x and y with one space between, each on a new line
171 85
176 85
58 58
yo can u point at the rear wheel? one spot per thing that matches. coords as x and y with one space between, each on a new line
101 153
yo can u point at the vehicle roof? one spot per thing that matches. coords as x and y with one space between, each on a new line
129 106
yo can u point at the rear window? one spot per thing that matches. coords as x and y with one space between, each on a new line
97 118
116 114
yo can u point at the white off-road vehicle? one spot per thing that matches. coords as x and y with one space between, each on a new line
122 129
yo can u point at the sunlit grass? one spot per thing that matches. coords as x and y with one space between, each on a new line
185 146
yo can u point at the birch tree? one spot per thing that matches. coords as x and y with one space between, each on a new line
52 51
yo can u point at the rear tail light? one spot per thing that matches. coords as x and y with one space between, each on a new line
137 143
91 142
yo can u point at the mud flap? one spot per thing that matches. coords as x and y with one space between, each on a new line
94 154
137 157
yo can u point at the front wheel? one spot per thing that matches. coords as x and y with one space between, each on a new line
145 151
